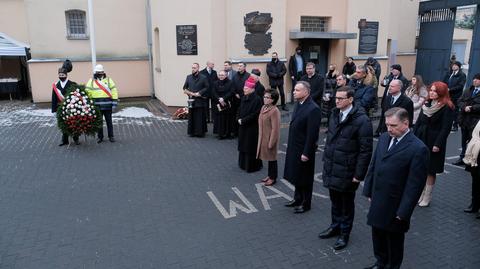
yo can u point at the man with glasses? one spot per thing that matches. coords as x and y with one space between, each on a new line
348 150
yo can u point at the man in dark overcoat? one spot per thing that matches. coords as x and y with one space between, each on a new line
393 184
455 80
347 153
196 88
238 81
317 83
395 98
276 70
301 147
211 76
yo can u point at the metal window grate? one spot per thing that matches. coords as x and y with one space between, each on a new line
76 24
438 15
313 24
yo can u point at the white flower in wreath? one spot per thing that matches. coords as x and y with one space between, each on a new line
82 114
80 102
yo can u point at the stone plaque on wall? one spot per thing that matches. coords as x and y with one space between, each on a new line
367 42
187 40
257 40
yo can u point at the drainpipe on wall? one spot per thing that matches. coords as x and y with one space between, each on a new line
149 44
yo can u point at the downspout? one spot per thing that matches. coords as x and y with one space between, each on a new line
149 45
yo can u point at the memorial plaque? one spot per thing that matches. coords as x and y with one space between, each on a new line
367 42
257 40
187 40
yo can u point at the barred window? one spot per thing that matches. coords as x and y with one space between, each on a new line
313 24
76 24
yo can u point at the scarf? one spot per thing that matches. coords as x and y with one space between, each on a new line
434 107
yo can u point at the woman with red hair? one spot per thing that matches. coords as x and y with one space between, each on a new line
433 127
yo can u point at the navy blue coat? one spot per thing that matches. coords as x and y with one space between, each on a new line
302 139
394 181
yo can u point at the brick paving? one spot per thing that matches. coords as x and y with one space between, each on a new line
143 202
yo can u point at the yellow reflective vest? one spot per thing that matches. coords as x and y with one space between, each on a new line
99 96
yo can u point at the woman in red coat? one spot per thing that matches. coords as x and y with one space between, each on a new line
269 135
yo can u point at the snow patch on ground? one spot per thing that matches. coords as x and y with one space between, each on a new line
36 112
134 112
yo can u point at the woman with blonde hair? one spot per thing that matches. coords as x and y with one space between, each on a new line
417 92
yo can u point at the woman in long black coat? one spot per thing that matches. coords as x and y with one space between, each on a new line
221 95
250 106
433 127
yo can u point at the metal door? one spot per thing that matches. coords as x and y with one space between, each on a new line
474 61
435 43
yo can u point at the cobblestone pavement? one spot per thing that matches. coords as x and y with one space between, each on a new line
159 199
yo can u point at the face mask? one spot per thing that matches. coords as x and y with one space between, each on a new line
274 59
62 79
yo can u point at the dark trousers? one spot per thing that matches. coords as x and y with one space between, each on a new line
281 92
65 138
388 248
475 172
303 195
343 210
466 136
107 114
457 111
272 169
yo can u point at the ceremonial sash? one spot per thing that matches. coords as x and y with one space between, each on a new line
58 93
104 88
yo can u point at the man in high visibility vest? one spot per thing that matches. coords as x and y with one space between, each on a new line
105 96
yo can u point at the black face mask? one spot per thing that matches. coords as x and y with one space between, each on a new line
98 76
274 59
62 79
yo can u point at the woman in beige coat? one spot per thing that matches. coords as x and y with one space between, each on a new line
269 135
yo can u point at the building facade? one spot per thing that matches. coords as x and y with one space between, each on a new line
128 31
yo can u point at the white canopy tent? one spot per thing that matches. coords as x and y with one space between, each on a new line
12 47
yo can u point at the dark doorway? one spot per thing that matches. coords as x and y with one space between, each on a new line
316 51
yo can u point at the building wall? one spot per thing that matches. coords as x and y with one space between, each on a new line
120 29
13 20
129 77
466 35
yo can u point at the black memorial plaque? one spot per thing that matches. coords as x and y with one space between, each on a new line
257 40
187 40
367 43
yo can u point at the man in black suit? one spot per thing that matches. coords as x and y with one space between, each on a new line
276 71
59 90
238 81
455 80
301 147
211 76
393 184
395 98
347 153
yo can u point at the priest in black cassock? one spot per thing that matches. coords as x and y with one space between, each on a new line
196 88
250 106
222 92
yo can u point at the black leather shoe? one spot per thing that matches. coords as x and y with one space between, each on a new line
111 139
459 162
63 144
470 209
99 140
329 233
301 209
374 266
342 242
291 203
